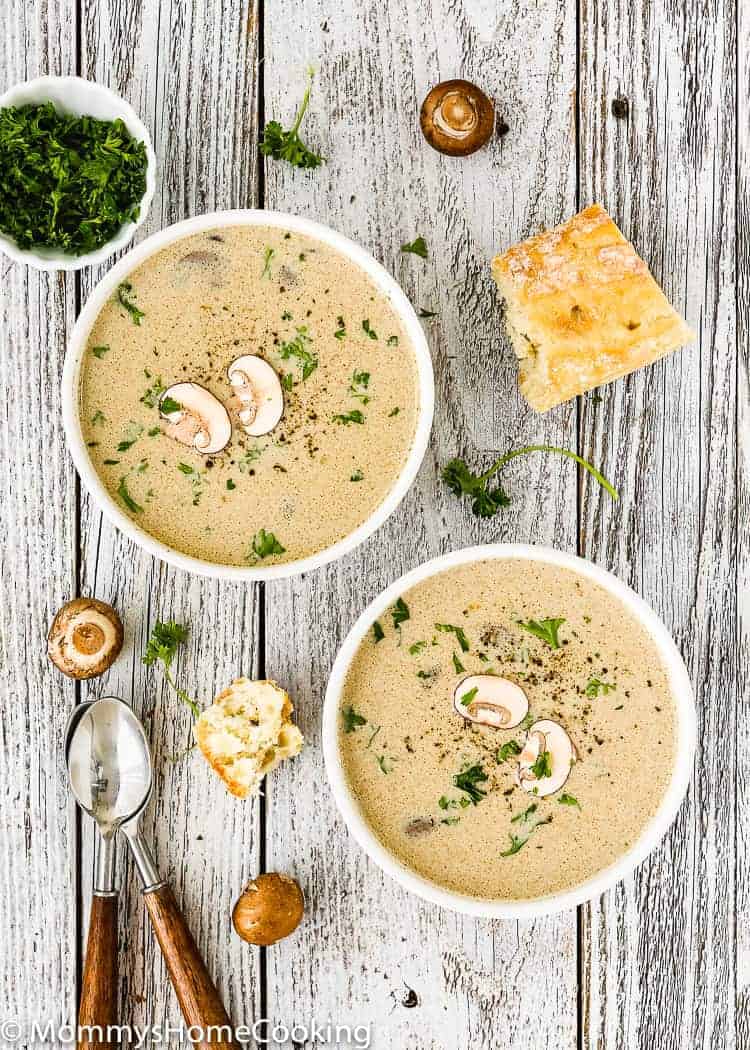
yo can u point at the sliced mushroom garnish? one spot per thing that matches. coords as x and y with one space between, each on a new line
258 397
457 118
491 701
195 418
85 638
547 756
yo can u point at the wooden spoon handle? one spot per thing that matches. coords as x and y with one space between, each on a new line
98 1008
200 1003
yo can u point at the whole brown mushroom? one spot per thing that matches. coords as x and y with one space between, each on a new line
457 118
270 908
85 638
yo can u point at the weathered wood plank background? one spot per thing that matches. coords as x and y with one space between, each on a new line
662 961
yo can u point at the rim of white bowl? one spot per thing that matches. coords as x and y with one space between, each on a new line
216 220
79 97
655 829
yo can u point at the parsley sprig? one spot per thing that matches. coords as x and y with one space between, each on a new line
162 647
487 499
287 145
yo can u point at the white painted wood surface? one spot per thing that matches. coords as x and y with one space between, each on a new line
664 960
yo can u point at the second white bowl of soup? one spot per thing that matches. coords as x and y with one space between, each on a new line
248 394
509 730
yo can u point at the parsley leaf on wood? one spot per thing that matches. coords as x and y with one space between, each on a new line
417 247
544 629
486 501
287 145
67 182
162 646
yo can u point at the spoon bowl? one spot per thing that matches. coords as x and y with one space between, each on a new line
109 762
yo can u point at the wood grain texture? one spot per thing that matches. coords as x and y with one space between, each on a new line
742 902
37 496
99 989
365 942
190 70
659 951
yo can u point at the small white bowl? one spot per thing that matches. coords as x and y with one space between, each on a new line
654 831
106 289
82 98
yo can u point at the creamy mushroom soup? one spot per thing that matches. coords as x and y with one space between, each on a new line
249 396
507 729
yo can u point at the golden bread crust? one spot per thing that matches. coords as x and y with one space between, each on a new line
582 309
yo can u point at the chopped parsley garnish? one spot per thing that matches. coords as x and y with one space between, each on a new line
459 667
378 632
525 815
298 348
268 254
127 499
509 750
162 646
417 247
425 676
287 381
123 291
392 340
98 417
417 648
264 545
111 462
383 763
231 485
516 843
544 629
168 405
468 780
185 468
357 476
369 331
449 628
340 332
427 314
360 382
542 766
287 145
352 720
132 434
486 500
355 416
68 182
450 820
151 397
568 800
154 431
469 696
595 686
100 351
394 412
400 613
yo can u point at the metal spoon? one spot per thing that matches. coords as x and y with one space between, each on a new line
109 762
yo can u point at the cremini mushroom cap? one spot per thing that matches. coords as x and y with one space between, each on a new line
258 397
271 907
200 420
491 701
85 638
457 118
546 736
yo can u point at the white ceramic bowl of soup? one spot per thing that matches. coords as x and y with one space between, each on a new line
105 290
80 97
654 830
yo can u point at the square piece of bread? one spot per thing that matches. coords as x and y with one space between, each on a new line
582 309
247 732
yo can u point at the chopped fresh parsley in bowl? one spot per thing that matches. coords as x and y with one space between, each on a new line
76 173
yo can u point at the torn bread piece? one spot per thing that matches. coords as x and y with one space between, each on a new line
582 309
247 732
